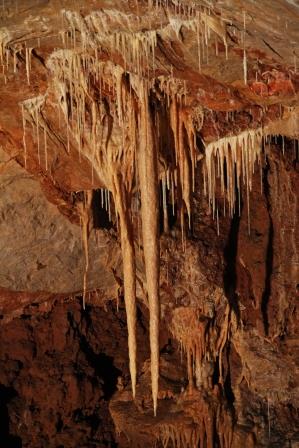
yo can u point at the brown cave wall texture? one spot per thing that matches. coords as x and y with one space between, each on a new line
149 240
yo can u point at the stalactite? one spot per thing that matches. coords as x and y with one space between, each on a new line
5 38
148 175
27 63
238 153
31 109
187 329
113 164
208 417
212 22
85 215
182 125
24 135
89 122
128 255
164 202
45 149
37 133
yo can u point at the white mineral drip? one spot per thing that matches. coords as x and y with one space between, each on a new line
164 202
5 38
45 148
238 153
37 133
24 136
28 63
215 24
31 112
198 35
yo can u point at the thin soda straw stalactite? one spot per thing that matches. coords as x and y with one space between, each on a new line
24 135
45 149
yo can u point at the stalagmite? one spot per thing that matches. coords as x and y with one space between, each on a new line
148 175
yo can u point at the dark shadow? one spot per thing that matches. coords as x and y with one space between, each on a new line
171 211
227 383
230 257
269 255
6 439
215 377
100 214
106 370
102 363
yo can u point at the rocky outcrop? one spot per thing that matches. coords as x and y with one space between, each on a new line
41 250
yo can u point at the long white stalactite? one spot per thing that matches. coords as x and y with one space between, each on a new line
85 211
129 271
148 175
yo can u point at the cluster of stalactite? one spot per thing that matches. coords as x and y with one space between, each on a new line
118 138
139 133
135 43
203 342
134 37
210 417
232 159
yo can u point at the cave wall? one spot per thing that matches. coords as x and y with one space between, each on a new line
149 185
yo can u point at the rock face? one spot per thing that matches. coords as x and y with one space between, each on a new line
59 369
41 250
149 224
